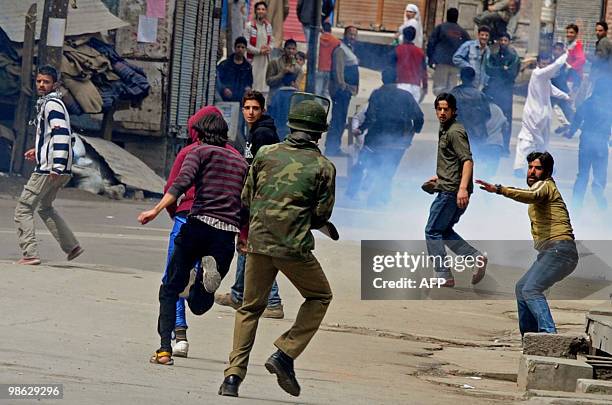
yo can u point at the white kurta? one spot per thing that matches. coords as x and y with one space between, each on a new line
535 129
260 62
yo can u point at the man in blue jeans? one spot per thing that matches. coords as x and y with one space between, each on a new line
453 183
553 238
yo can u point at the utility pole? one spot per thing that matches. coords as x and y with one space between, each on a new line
313 44
52 33
20 123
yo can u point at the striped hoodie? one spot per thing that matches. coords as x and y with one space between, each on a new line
53 136
218 175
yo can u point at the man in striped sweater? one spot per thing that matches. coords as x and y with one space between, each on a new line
218 175
53 156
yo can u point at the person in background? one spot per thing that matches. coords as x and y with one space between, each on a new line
411 69
235 74
535 125
344 84
327 45
278 10
563 110
443 42
412 18
259 35
279 105
300 58
474 54
601 60
594 120
502 67
286 64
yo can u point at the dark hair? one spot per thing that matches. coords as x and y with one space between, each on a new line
289 78
327 27
559 45
259 3
49 70
290 41
240 40
544 56
389 75
546 159
484 28
409 33
505 35
467 75
254 95
449 98
603 24
452 15
349 27
573 27
212 130
301 55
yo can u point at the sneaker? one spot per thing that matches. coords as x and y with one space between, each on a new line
274 312
212 277
479 272
226 300
181 348
74 253
29 261
192 277
449 280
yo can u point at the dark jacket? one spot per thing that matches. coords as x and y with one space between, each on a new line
472 111
593 118
502 67
263 132
327 7
236 77
444 41
392 117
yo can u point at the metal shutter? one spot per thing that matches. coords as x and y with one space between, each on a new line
193 65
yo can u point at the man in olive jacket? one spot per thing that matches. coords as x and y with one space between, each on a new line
290 190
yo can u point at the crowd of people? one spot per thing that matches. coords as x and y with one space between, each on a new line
274 186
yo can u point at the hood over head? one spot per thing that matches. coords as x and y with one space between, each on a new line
201 113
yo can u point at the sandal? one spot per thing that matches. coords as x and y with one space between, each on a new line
157 356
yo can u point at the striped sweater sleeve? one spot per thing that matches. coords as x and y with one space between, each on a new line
60 144
540 191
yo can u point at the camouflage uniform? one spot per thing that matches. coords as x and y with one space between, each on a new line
289 191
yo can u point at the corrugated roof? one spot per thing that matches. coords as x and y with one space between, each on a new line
90 16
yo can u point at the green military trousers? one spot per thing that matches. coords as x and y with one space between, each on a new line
307 276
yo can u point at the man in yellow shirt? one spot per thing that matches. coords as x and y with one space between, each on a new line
553 238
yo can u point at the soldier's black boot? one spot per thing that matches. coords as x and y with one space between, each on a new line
230 385
282 365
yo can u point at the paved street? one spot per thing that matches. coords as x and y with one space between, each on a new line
91 324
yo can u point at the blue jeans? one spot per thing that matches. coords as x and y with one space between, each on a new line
341 101
194 241
237 290
591 156
179 221
552 265
443 215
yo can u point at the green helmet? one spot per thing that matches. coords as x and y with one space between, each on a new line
308 113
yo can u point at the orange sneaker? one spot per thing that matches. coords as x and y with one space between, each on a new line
29 261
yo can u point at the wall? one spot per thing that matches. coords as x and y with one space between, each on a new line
584 13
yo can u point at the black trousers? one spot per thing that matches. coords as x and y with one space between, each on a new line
194 241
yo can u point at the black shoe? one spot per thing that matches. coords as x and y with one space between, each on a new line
230 385
282 365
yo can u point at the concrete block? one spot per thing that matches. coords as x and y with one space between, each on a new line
550 373
565 345
589 386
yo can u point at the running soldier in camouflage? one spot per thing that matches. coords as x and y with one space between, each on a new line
289 191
